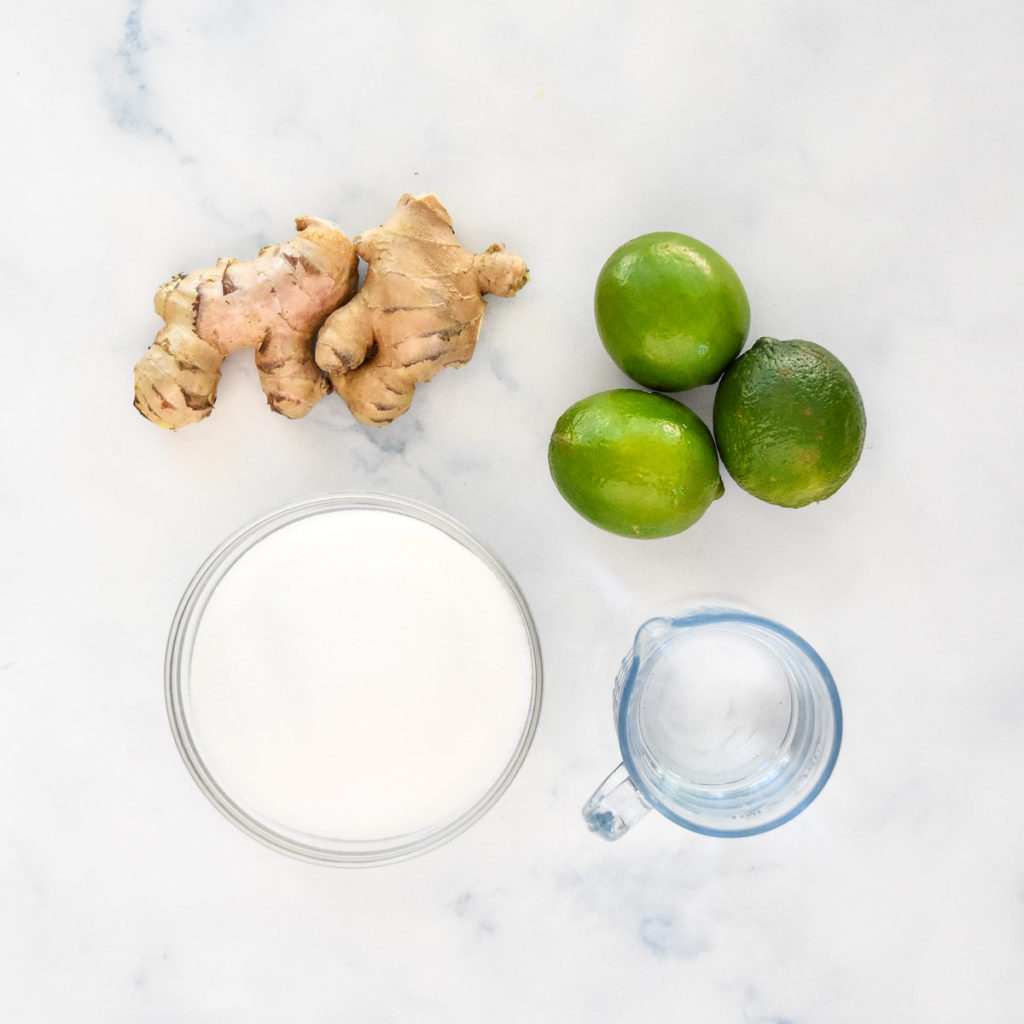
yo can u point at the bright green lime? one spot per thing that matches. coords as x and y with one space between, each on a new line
634 463
789 422
671 312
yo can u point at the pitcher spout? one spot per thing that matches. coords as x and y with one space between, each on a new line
651 637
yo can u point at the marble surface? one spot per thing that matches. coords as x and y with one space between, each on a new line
860 166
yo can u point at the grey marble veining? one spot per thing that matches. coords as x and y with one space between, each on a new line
860 166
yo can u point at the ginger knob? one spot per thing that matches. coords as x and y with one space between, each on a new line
274 304
419 309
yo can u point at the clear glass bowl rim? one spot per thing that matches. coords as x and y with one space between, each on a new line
337 852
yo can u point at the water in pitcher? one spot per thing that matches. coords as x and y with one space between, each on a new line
717 707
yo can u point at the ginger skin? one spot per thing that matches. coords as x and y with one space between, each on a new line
418 311
273 304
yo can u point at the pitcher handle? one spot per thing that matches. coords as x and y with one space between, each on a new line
616 806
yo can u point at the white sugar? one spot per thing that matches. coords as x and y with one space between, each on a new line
359 674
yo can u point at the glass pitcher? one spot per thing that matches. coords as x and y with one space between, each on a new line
729 725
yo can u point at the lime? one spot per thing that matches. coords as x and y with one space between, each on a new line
671 312
635 463
789 422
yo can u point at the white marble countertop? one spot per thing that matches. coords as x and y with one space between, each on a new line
860 166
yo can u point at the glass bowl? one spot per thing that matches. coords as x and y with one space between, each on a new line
188 684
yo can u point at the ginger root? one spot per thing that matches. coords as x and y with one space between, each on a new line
273 304
418 311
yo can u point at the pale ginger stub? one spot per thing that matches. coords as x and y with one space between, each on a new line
419 309
273 304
